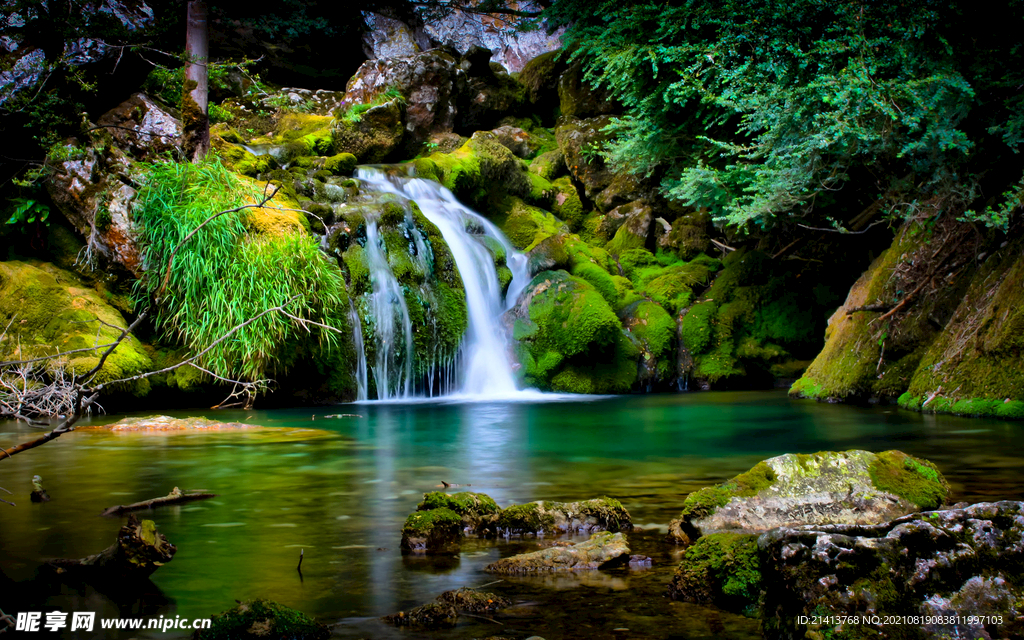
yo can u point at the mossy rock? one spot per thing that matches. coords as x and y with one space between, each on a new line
720 569
433 615
566 203
579 100
263 618
475 509
690 235
575 138
522 519
375 135
52 311
540 78
572 316
549 165
984 377
433 532
340 164
524 225
478 170
850 487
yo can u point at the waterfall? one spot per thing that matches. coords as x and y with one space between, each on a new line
482 368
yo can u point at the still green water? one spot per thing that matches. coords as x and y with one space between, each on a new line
341 495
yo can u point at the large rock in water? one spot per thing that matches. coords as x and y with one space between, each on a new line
851 487
603 548
941 574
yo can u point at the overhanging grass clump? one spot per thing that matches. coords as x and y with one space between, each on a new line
225 276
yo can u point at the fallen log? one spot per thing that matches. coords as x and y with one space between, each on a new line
138 551
176 496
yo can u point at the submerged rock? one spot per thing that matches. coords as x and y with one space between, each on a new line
444 613
603 548
473 601
263 619
958 569
434 615
167 423
851 487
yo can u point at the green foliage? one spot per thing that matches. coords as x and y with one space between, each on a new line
758 111
25 211
267 616
223 277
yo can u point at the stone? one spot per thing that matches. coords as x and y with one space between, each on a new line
141 128
263 619
634 228
430 83
720 569
585 516
623 188
511 49
578 99
577 139
851 487
94 188
945 565
374 135
389 38
167 423
602 550
475 509
432 532
516 140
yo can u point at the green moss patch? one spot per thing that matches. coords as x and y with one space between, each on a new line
520 519
720 569
916 480
463 503
263 618
703 503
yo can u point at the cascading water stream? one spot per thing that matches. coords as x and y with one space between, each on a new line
392 366
486 370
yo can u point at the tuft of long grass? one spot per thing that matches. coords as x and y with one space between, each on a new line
224 277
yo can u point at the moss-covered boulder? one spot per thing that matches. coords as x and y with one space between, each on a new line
547 517
755 315
549 165
957 572
974 367
433 532
526 226
373 134
720 569
50 311
653 331
475 509
520 142
602 550
540 79
429 83
850 487
480 168
634 232
578 99
340 164
561 319
576 138
624 187
263 619
433 615
688 235
487 98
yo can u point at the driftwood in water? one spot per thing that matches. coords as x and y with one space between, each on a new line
176 496
139 551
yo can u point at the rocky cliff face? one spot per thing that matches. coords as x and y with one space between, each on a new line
935 322
388 37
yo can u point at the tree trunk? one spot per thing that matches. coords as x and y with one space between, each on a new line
139 551
194 100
